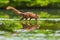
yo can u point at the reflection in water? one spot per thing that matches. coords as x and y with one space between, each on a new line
29 25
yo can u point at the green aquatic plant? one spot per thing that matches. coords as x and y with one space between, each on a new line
10 25
44 15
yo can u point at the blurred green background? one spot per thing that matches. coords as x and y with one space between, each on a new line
30 3
43 8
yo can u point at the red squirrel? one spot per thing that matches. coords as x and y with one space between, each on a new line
25 15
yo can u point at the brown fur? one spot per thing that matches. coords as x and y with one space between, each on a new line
24 15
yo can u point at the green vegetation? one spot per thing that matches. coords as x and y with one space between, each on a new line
30 3
15 25
10 25
50 24
41 13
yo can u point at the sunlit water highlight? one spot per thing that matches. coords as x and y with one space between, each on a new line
29 36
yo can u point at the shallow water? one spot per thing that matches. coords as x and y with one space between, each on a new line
30 36
30 30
